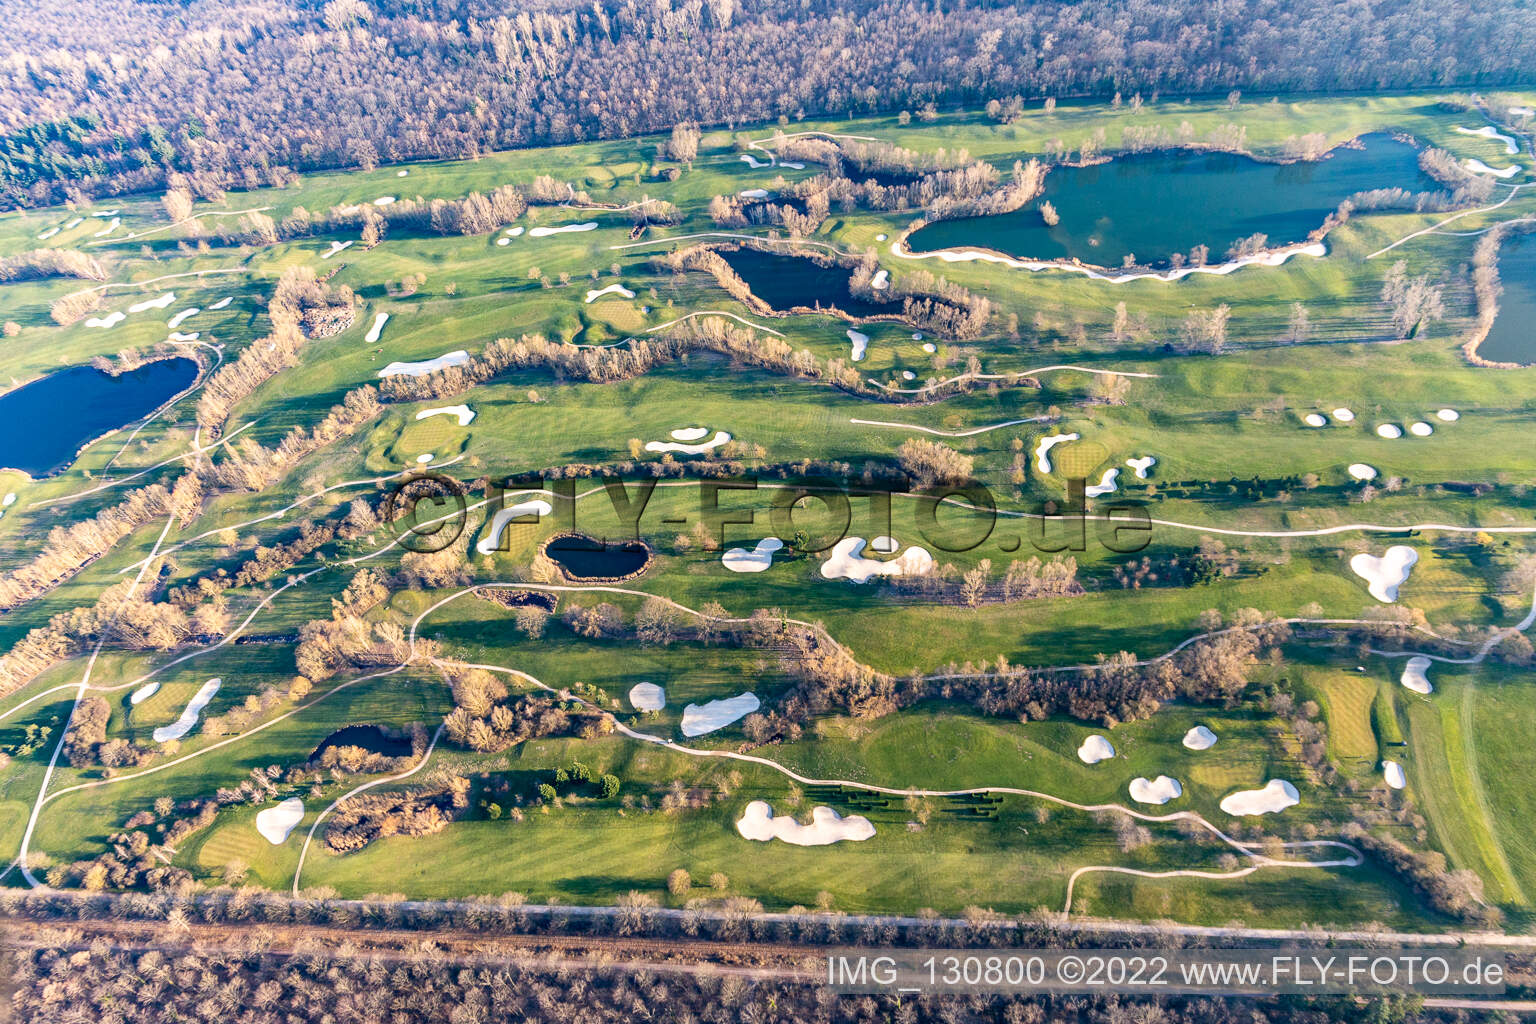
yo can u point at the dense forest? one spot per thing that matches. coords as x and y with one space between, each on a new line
108 99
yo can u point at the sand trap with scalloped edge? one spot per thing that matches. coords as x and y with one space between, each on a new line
110 320
1393 773
1447 415
277 821
590 225
1276 796
189 715
1043 449
1199 738
860 343
759 824
699 719
1155 791
1360 471
1420 429
377 329
1390 431
846 562
754 163
1142 466
1476 166
533 506
1095 748
613 289
143 693
758 559
463 413
1416 675
1106 484
647 697
1315 419
720 438
1385 574
1488 131
425 366
156 303
182 317
335 248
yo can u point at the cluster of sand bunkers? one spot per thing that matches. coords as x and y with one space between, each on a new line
1276 795
690 441
163 301
1365 472
1108 482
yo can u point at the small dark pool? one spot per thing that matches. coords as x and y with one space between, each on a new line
584 558
44 423
370 737
788 281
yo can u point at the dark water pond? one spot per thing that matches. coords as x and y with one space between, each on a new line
43 424
1513 336
584 558
369 737
1152 205
787 281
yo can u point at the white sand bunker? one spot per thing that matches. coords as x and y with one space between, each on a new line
647 697
1200 738
1416 675
826 827
546 232
463 413
335 248
179 336
1043 449
377 328
503 241
1476 166
1360 471
882 236
1315 419
426 366
613 289
1420 429
1393 773
514 232
1343 415
143 693
1488 131
384 201
222 303
1155 791
277 821
157 303
9 499
110 320
424 457
1095 749
884 545
881 280
1276 796
401 174
908 375
756 560
181 318
1142 465
535 506
846 562
189 715
753 193
930 348
690 433
1390 431
1106 484
117 222
860 343
699 719
1447 415
720 438
1387 573
73 222
754 163
48 234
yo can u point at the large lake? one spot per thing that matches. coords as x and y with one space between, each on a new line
44 423
1153 205
1513 336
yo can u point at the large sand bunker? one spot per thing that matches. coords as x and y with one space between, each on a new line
182 317
1142 465
1488 131
1155 791
1106 484
1385 574
1200 738
377 329
535 506
156 303
1095 748
699 719
1361 471
614 289
426 366
110 320
1043 449
1276 796
720 438
860 343
276 822
1393 773
463 413
827 826
647 697
846 562
1416 675
189 715
758 559
546 232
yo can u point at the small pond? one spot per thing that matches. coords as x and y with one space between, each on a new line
787 281
585 558
44 423
1513 336
1153 205
370 737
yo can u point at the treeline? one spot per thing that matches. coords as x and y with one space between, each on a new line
485 719
38 263
1458 894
